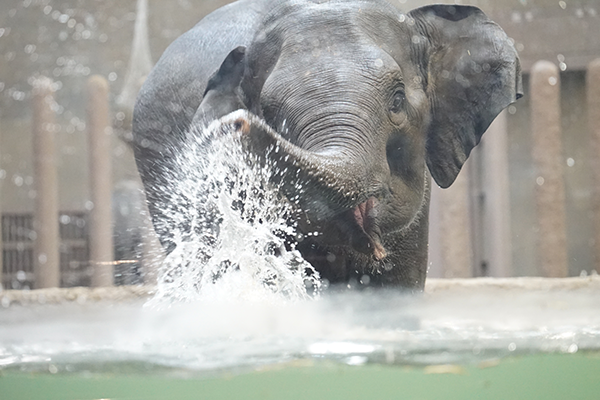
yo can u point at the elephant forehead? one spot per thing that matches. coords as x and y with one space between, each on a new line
360 86
338 66
325 98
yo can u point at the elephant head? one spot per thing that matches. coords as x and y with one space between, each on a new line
358 104
362 100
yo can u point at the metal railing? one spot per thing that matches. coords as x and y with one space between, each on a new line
18 237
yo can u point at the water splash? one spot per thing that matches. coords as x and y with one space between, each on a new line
231 226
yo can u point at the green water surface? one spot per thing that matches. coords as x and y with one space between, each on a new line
541 376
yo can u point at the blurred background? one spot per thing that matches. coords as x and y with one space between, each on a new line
526 204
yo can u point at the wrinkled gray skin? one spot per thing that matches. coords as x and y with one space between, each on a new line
362 102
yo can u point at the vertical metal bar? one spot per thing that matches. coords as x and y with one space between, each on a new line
548 160
593 110
100 134
46 267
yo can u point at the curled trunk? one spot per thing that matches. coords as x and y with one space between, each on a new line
324 185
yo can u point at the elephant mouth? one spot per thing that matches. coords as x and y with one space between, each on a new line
367 238
346 244
356 228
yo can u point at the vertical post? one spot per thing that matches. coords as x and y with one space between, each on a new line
450 229
99 131
477 208
435 256
1 242
548 160
496 216
46 256
593 109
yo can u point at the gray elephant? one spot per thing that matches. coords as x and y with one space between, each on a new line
363 102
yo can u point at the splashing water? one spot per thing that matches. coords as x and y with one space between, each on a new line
231 226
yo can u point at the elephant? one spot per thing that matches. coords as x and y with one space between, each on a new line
365 105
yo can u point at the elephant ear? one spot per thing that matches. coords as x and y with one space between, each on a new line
222 95
238 83
472 72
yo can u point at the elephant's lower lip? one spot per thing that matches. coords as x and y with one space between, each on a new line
365 215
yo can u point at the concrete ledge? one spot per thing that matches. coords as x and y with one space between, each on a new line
591 282
433 286
74 295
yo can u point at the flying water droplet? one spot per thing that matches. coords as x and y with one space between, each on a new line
232 228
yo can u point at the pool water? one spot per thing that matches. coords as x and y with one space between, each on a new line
501 342
542 376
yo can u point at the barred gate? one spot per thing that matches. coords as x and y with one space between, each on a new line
18 238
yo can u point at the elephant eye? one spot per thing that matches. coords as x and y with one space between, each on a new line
397 102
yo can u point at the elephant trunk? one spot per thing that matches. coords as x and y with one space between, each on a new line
325 186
